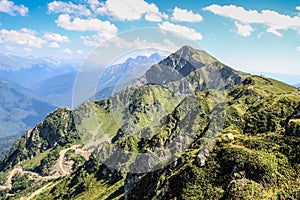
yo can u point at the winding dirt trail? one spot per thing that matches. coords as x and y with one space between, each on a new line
37 192
58 167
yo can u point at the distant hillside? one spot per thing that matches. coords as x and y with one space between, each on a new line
6 143
19 111
291 79
56 90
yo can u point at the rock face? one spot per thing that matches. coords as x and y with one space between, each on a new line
293 123
230 136
293 127
202 156
189 70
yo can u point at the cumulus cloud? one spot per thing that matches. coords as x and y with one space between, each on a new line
53 45
94 4
95 40
273 21
56 37
183 15
130 10
93 24
136 43
67 51
70 8
181 31
275 32
166 44
10 8
24 36
104 29
298 48
298 8
79 52
27 49
244 29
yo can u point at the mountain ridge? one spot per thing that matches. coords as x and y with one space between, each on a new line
178 139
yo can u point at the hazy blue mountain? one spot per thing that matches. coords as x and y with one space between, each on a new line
56 90
19 111
6 143
117 77
29 71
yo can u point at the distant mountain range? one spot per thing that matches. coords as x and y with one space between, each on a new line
52 79
117 77
56 90
30 71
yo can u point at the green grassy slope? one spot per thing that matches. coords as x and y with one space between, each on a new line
260 161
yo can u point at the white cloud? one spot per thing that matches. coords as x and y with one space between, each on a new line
56 37
121 43
27 49
24 36
92 24
154 17
94 4
67 51
298 8
275 32
130 10
273 21
79 52
104 29
183 15
95 40
181 31
53 45
166 44
298 48
70 8
9 48
10 8
244 29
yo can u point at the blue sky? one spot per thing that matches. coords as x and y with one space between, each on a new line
253 36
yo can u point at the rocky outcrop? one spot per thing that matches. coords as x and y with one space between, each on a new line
292 127
57 129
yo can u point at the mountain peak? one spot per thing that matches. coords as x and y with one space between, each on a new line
186 49
180 65
155 56
197 55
